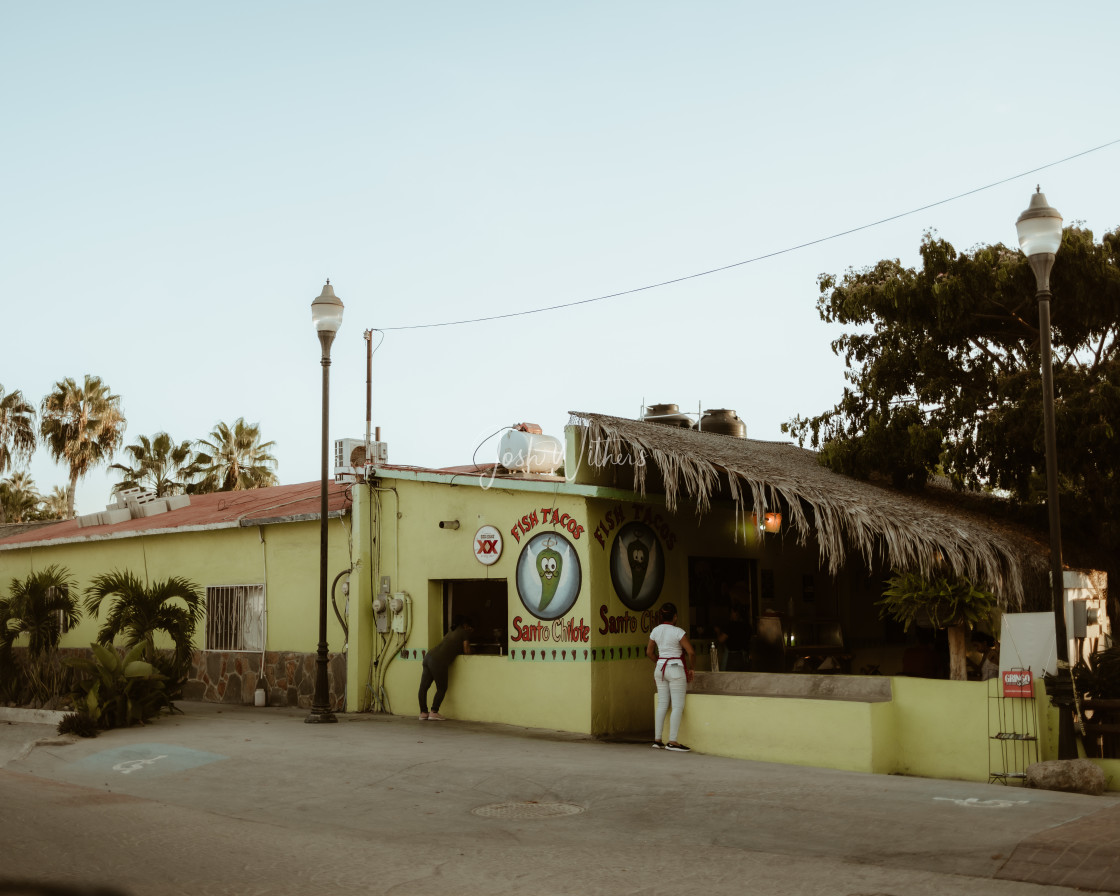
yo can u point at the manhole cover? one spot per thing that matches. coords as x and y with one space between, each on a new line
527 810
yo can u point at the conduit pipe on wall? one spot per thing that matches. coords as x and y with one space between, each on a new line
386 645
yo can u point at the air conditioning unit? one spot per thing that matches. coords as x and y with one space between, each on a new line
350 459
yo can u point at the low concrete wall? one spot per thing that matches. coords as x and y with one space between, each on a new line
886 725
837 734
856 688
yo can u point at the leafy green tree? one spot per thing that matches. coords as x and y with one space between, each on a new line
943 365
19 499
17 428
158 464
235 459
949 602
37 607
82 425
136 612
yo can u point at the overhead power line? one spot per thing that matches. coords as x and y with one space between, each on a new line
738 264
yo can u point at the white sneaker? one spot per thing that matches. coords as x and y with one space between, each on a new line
436 717
423 717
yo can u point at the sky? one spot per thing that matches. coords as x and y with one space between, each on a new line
179 180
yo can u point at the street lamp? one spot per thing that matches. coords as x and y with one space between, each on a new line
1040 235
326 314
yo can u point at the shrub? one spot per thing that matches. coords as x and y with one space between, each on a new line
118 692
135 611
33 610
1099 676
77 723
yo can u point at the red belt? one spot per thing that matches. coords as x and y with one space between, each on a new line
665 662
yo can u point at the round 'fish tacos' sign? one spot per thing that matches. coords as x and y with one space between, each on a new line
548 575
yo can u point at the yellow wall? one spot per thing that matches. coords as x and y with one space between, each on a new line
530 695
410 547
941 728
933 729
284 556
824 733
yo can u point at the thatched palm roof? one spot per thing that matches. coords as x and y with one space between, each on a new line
901 530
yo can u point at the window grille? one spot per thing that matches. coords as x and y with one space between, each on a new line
235 617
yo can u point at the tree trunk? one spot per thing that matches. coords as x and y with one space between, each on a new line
70 494
958 650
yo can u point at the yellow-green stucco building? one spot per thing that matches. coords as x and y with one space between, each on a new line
562 568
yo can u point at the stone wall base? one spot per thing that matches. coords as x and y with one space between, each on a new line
289 678
218 677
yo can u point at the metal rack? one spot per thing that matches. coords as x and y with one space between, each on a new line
1012 726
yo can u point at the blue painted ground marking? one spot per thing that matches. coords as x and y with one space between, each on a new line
146 760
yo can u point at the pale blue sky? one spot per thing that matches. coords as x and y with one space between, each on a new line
180 179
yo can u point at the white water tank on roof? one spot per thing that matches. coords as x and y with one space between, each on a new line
525 451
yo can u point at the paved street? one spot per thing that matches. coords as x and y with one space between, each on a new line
242 800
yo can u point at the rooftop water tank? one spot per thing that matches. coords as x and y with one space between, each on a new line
723 421
524 450
667 415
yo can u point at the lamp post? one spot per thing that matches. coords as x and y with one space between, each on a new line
326 314
1040 235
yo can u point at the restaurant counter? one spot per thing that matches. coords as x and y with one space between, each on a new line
855 688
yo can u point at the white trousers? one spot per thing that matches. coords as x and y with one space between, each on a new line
672 685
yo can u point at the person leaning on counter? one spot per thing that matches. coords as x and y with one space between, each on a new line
436 663
673 662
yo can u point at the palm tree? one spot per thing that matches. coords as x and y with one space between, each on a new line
236 459
159 464
83 425
17 428
19 499
137 612
54 504
40 606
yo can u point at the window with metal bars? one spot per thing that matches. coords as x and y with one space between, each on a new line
235 617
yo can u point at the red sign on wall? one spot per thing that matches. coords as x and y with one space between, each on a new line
1018 683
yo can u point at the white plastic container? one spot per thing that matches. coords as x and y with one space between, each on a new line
529 452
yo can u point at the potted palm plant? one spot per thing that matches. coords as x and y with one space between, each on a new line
953 603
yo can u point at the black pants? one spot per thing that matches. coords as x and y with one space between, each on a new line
439 676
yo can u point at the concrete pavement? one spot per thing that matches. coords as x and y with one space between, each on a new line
230 799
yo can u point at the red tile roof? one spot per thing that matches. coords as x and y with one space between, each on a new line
245 508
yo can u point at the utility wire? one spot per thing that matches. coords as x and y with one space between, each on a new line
727 267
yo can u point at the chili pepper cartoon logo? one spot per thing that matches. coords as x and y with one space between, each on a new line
637 565
550 566
638 556
548 575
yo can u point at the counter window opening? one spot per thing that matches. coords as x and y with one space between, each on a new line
723 604
486 603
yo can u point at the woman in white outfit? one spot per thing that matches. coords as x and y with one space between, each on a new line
673 660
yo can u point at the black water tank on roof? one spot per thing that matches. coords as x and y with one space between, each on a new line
667 415
723 421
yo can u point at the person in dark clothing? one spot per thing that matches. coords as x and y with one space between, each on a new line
734 641
436 663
